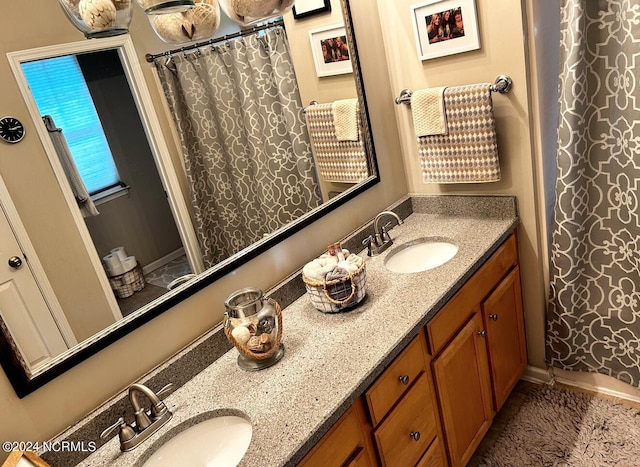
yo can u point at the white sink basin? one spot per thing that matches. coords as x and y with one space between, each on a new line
420 255
219 441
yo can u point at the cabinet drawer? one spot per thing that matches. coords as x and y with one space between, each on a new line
397 379
458 310
414 414
434 457
345 443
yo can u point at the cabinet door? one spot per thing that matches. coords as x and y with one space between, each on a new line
504 321
347 443
461 374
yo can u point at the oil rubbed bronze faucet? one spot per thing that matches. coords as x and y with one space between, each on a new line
380 240
146 422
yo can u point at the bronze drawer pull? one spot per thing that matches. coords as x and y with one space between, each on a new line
415 435
494 317
404 379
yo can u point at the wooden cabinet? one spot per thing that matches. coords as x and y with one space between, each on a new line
504 322
404 412
433 405
479 351
348 443
461 373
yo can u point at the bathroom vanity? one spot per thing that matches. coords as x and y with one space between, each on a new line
474 349
413 375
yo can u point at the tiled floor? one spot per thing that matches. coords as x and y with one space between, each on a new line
156 285
163 276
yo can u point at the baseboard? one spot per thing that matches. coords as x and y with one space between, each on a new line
541 375
537 375
162 261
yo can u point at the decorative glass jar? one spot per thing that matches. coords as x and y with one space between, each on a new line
159 7
196 24
253 324
251 12
99 18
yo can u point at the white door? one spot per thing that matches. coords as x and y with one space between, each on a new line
22 305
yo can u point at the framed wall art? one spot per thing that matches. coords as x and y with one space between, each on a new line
445 27
330 50
306 8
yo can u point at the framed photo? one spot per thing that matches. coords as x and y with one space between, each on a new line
304 8
445 27
330 50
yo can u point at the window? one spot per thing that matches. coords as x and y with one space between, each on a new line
57 82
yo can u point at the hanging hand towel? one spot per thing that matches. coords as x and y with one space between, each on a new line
85 203
336 161
427 109
345 119
468 153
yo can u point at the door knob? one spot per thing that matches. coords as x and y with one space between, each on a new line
15 262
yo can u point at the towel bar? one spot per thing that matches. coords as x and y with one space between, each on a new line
502 85
310 103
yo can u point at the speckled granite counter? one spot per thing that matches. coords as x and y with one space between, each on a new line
330 359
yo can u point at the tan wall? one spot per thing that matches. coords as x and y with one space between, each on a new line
502 51
32 184
312 88
69 397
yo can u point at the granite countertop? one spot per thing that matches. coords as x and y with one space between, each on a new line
330 359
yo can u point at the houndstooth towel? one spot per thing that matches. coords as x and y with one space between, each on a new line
336 161
468 153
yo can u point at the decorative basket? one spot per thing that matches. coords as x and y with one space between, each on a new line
340 294
124 285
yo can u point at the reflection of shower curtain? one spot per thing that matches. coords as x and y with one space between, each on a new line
594 308
85 203
247 155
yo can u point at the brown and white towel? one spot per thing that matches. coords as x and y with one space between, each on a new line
468 153
336 161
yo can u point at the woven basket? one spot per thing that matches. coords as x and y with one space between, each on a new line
340 294
124 285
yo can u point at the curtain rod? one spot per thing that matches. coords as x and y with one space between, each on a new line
245 32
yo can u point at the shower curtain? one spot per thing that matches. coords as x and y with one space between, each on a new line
247 155
593 322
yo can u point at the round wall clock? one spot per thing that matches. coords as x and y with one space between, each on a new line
11 129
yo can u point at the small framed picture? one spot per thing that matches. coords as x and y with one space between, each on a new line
445 27
305 8
330 50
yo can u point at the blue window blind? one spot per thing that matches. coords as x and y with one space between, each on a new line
60 90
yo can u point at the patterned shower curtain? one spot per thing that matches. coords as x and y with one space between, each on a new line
247 155
593 320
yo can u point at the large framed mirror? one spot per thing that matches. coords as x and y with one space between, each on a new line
145 201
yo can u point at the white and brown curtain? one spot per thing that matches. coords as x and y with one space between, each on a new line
247 154
593 320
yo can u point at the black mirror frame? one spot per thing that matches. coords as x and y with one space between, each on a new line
15 369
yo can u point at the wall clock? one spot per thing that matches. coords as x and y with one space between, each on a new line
11 129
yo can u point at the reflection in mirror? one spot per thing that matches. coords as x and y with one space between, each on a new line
251 172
